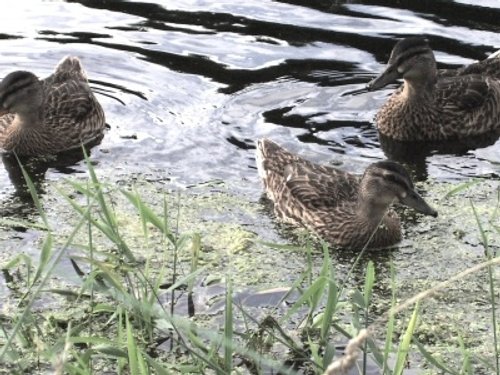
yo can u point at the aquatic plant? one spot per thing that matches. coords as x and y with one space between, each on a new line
122 315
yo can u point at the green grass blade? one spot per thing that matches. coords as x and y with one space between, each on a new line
143 366
491 279
22 224
390 324
316 288
33 193
377 354
111 350
434 361
158 368
20 258
107 272
466 363
144 210
45 254
228 329
404 346
55 260
331 305
108 228
131 348
328 354
314 350
369 282
110 219
460 188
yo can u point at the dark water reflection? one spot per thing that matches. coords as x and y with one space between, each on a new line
180 81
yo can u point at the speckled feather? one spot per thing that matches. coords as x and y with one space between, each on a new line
461 103
70 115
321 198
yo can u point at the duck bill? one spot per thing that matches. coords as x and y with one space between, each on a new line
415 201
388 76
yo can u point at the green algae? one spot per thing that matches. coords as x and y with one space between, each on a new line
437 250
233 231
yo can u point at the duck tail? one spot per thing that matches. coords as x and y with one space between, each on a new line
272 159
71 67
261 156
495 55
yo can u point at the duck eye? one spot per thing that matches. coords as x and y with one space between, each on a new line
396 180
390 177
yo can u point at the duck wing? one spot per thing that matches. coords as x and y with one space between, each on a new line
70 101
320 187
464 92
489 67
72 115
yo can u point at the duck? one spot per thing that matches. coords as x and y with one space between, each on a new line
345 210
437 105
51 115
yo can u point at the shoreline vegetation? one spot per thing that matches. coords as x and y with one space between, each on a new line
148 294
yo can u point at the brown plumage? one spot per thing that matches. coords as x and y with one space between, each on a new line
58 113
437 105
343 209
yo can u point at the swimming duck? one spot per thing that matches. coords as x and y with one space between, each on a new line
343 209
437 105
48 116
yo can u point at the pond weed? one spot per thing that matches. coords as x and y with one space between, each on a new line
119 318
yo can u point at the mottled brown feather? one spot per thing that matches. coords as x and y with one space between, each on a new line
69 115
445 104
343 209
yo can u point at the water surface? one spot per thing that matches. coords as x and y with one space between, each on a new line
185 79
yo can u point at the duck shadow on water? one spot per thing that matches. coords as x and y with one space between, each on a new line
414 154
20 203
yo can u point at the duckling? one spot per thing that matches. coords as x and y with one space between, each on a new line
48 116
343 209
437 105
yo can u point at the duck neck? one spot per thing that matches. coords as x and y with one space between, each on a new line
417 91
380 223
371 213
27 120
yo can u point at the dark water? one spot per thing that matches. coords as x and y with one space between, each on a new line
188 86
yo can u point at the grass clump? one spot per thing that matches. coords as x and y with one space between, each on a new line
122 315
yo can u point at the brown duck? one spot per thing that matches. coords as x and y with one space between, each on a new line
345 210
48 116
437 105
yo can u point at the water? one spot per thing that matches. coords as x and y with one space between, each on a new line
194 78
188 86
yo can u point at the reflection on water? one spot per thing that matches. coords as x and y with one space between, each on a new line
186 79
415 154
19 203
